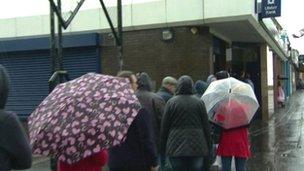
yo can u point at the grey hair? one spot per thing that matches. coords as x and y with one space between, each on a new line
169 81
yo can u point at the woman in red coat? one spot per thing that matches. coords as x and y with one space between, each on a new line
233 143
92 163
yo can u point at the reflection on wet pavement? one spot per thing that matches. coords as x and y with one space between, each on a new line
277 146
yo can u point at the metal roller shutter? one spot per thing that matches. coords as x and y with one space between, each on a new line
79 61
30 71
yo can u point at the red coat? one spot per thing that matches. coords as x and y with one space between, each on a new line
234 142
92 163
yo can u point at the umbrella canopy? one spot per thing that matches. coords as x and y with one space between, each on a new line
83 116
230 103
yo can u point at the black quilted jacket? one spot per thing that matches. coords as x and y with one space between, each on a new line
185 130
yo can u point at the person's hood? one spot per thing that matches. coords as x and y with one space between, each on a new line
144 82
222 75
184 86
210 79
4 86
200 87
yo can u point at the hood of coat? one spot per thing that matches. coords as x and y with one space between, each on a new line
144 82
200 87
222 75
184 86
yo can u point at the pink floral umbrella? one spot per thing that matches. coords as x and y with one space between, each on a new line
83 116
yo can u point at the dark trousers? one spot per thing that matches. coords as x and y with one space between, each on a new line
53 164
131 168
186 163
161 162
239 163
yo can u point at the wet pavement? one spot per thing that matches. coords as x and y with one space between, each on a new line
278 145
40 164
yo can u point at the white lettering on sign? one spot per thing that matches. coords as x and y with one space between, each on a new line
270 12
271 8
271 2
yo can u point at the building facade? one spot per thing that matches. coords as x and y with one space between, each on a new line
207 36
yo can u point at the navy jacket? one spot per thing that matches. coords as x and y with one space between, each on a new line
139 148
165 94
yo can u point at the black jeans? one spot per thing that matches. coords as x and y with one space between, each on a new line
53 164
186 163
239 163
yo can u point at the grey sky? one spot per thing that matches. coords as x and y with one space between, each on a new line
292 21
17 8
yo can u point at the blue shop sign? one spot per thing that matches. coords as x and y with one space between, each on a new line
271 8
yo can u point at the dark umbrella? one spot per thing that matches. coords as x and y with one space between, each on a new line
83 116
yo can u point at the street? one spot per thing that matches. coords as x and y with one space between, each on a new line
40 165
277 146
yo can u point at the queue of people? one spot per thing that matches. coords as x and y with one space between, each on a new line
170 132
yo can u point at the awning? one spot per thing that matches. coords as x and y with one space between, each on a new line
244 28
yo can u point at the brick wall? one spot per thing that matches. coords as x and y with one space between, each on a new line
144 50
